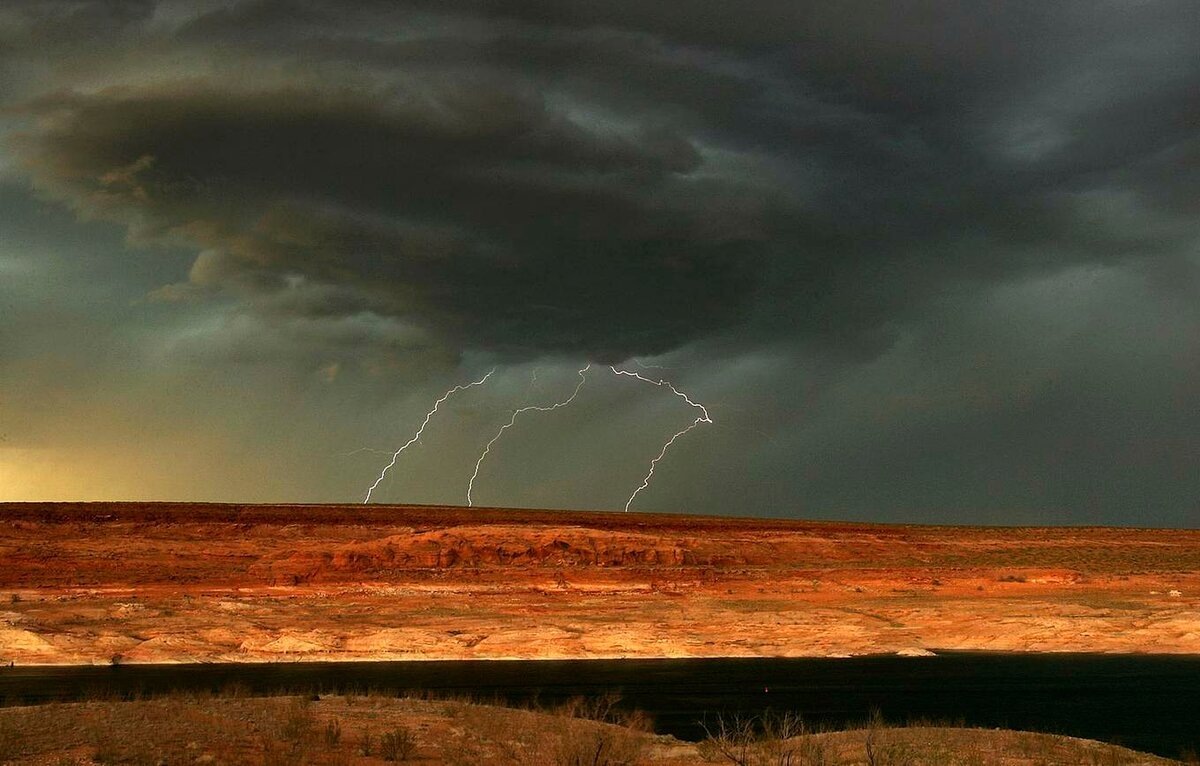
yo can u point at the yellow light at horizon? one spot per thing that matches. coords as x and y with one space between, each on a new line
33 474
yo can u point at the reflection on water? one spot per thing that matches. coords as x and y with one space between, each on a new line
1147 702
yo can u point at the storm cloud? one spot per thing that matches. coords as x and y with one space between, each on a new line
563 178
838 193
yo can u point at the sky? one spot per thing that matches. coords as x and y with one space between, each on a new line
920 261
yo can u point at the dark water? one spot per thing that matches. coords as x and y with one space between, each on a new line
1149 703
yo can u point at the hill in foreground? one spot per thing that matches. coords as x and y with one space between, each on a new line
376 730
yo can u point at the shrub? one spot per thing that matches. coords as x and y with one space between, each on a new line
766 740
366 744
605 708
879 748
596 745
731 739
333 733
298 723
397 745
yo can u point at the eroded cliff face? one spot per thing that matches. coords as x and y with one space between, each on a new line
169 583
491 546
473 547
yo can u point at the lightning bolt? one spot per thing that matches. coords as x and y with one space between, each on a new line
417 435
702 418
582 373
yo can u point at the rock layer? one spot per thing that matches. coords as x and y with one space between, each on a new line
89 583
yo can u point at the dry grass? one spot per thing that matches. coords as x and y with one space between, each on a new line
11 728
376 729
784 740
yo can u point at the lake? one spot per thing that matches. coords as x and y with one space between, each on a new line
1147 702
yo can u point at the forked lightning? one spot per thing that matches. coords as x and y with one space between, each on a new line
417 435
582 373
702 418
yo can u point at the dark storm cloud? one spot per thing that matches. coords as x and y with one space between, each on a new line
58 21
467 204
623 178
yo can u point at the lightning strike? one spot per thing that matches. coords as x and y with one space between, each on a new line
702 418
417 436
582 373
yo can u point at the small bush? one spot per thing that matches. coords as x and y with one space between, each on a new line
1013 578
605 708
366 744
879 747
399 744
298 723
596 745
333 733
766 740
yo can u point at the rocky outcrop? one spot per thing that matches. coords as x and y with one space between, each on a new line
468 547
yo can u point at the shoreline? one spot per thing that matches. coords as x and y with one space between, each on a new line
931 654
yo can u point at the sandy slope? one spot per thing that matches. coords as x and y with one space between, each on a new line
80 583
229 730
